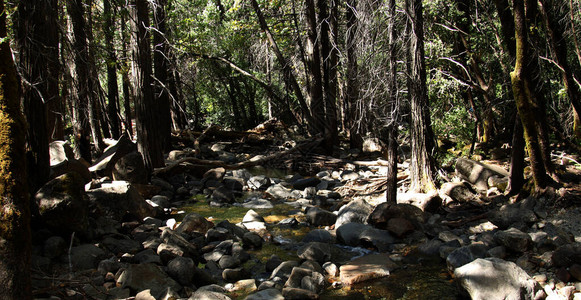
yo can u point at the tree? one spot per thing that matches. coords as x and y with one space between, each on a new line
391 189
112 87
422 168
148 143
352 84
161 69
14 198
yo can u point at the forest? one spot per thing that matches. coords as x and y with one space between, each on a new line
428 81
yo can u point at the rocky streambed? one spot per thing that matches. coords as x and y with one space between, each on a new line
195 232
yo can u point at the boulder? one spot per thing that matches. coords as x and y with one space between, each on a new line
257 203
478 173
494 278
280 192
319 235
63 204
182 269
319 252
62 161
384 212
513 239
350 233
284 269
267 294
509 215
356 211
429 202
365 268
117 199
122 245
84 257
222 196
104 165
193 222
303 183
259 182
457 191
465 255
131 168
298 294
567 255
147 276
320 217
252 240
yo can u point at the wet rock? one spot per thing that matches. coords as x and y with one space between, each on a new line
478 173
63 204
365 268
266 294
319 235
465 255
355 211
319 252
493 278
146 276
320 217
193 222
118 199
298 294
513 239
131 168
182 269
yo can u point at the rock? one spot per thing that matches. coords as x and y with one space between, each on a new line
171 238
298 294
371 145
223 195
228 262
426 202
319 235
182 269
54 247
319 252
257 203
314 283
176 155
365 268
145 295
161 201
465 255
252 240
567 255
478 173
84 257
494 278
63 204
271 264
104 165
218 234
131 168
193 222
320 217
117 199
514 239
284 269
349 175
384 212
303 183
267 294
233 275
377 238
355 211
216 174
252 216
297 273
431 247
122 245
399 226
509 215
458 191
259 182
147 256
331 268
350 233
575 271
313 266
62 161
147 276
208 295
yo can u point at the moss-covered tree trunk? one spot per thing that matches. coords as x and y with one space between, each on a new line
14 198
525 101
422 167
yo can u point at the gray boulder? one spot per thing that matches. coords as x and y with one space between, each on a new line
266 294
63 204
105 164
193 222
355 211
465 255
320 217
84 257
509 215
147 276
118 199
319 235
259 182
319 252
494 278
182 269
567 255
514 239
131 168
257 203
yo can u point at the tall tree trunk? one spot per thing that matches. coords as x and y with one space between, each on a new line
352 88
288 74
55 105
83 94
34 35
313 57
558 46
15 237
127 92
161 68
95 96
112 88
391 188
422 169
523 95
148 144
517 159
329 24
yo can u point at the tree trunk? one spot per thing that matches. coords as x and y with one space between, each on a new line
127 92
148 143
161 68
517 159
313 57
95 96
34 37
352 88
15 240
524 99
391 188
112 88
422 169
83 94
